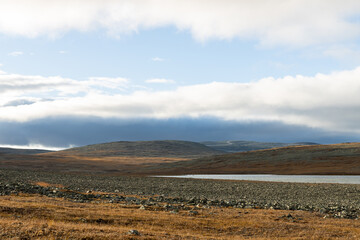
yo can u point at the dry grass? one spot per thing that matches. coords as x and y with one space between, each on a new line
38 217
338 159
45 184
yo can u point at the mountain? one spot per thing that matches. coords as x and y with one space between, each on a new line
180 157
165 148
314 159
243 146
21 151
110 158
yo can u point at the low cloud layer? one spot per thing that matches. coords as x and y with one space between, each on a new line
65 132
330 102
294 23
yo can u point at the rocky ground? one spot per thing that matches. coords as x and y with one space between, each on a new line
331 200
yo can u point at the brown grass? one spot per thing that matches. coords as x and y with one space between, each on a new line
39 217
45 184
337 159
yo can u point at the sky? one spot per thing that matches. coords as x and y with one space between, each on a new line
77 72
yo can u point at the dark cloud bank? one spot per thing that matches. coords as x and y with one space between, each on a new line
82 131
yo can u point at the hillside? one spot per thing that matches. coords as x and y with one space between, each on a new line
21 151
243 146
178 157
110 158
317 159
166 148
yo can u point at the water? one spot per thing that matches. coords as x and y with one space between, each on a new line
279 178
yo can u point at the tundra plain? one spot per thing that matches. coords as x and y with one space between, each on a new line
106 192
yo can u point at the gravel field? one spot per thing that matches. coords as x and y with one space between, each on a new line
335 200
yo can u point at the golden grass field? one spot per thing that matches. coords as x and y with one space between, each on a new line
40 217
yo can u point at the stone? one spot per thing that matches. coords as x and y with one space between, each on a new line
193 212
134 232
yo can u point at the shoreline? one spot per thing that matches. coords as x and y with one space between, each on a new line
335 200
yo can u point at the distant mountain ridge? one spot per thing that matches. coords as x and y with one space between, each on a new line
181 157
163 148
22 151
243 146
334 159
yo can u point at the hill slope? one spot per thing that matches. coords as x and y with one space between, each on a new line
243 146
21 151
174 157
317 159
112 158
166 148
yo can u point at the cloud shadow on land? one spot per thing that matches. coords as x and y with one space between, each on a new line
63 132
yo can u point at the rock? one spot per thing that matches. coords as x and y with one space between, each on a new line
323 210
100 220
134 232
193 212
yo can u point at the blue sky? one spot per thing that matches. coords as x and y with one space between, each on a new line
242 70
161 53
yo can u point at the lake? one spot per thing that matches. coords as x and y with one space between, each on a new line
346 179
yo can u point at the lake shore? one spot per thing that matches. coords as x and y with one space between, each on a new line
333 200
342 179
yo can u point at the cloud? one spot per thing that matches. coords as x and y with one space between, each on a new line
330 102
294 23
159 80
106 82
157 59
343 53
62 52
17 90
32 146
77 131
19 102
17 85
16 53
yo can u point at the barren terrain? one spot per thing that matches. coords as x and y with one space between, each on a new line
43 205
179 157
39 217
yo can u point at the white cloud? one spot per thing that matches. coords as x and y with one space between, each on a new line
32 146
16 53
299 22
157 59
343 53
16 88
62 52
18 102
159 80
329 101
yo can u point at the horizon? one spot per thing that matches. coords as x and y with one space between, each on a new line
75 73
41 147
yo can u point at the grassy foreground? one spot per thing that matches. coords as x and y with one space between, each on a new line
39 217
